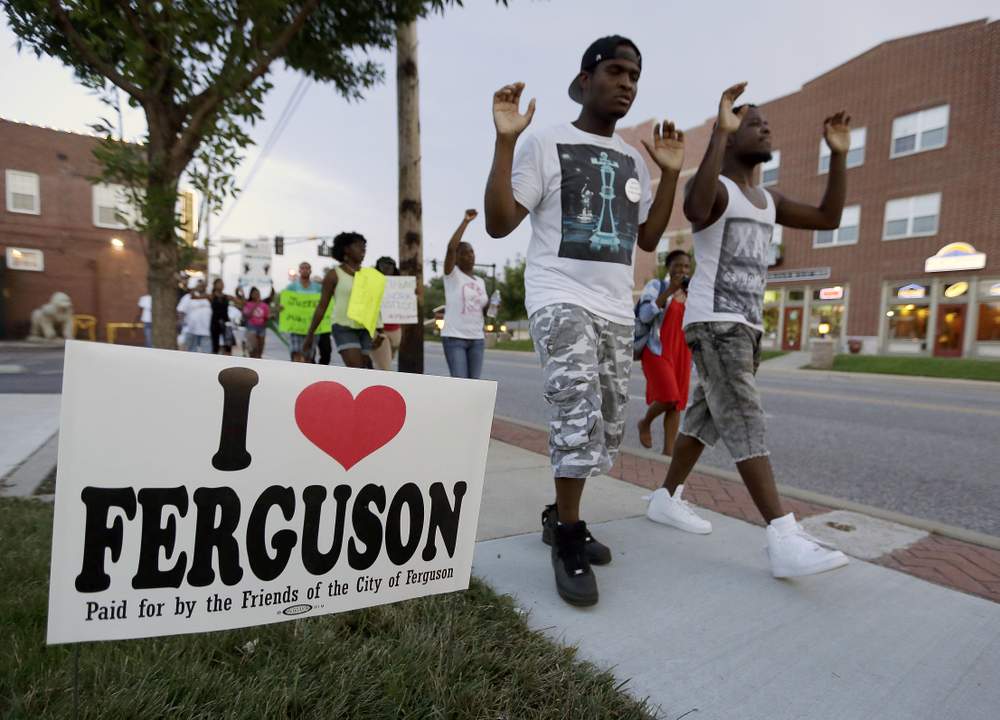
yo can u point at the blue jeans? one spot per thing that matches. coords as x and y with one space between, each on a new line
199 343
465 357
147 330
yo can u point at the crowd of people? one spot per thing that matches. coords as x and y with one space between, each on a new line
590 201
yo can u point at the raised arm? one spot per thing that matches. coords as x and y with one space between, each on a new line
667 151
329 285
503 212
456 238
703 201
837 133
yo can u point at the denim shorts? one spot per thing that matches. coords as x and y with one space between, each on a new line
351 339
726 403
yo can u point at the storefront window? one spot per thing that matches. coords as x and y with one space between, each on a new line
989 322
772 296
826 320
908 322
771 326
796 295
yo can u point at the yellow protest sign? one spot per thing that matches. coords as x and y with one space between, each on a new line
366 298
297 310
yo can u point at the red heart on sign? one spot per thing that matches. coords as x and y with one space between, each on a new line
348 428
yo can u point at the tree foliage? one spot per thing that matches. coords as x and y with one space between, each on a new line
200 70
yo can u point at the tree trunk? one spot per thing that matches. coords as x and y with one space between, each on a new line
411 259
162 250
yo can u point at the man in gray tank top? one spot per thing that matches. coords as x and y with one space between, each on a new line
733 218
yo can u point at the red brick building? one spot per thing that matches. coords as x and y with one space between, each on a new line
915 266
59 232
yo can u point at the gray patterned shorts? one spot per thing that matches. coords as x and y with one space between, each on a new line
586 360
726 402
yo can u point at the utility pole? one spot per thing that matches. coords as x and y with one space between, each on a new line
411 259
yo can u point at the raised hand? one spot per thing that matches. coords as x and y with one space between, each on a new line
470 215
667 149
506 110
837 132
729 121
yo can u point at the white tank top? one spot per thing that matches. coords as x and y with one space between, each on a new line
731 263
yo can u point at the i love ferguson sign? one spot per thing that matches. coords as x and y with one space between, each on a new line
200 492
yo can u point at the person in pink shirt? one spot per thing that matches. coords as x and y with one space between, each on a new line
256 313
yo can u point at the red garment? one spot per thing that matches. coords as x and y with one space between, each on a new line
668 375
389 327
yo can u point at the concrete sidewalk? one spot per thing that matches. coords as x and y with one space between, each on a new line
26 423
697 622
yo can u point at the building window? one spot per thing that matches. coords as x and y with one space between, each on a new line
22 193
846 234
920 131
989 322
912 217
908 323
855 156
110 207
769 170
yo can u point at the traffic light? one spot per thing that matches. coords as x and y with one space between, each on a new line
324 250
279 245
434 265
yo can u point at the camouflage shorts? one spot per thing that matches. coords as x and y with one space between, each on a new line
726 402
586 361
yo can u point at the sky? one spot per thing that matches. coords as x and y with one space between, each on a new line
334 166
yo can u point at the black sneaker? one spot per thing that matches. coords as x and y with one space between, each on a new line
575 581
597 552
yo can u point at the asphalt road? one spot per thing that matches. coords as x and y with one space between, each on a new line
925 448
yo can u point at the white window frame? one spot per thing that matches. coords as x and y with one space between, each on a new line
912 200
773 164
15 177
859 137
837 242
921 123
100 194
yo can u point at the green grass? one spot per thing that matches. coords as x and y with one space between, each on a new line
771 354
519 345
963 368
462 655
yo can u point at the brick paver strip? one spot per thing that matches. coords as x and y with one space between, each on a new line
944 561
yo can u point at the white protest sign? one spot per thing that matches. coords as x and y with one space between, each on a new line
203 492
255 266
399 301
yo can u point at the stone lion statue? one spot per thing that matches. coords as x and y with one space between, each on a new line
53 320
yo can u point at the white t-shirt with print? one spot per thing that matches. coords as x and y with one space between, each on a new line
731 262
146 303
587 195
464 299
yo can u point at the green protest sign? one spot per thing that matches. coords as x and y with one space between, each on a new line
297 310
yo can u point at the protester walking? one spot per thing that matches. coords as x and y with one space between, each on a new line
590 200
256 313
145 313
354 343
385 344
222 336
304 283
665 356
195 312
465 298
733 218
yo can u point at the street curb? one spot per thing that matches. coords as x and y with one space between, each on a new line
930 526
23 480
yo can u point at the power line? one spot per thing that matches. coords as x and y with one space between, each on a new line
272 140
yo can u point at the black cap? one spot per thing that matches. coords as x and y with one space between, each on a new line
604 48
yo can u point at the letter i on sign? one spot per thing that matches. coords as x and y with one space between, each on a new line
237 384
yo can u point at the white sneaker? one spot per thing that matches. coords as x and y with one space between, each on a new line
794 552
676 512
